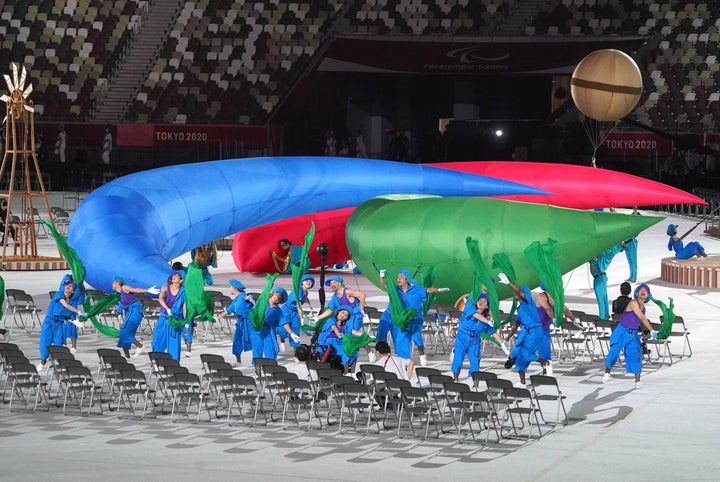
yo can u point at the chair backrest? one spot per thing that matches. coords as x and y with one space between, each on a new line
452 388
482 376
497 385
537 380
422 374
261 362
206 358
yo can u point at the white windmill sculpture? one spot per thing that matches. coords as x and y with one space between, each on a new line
16 174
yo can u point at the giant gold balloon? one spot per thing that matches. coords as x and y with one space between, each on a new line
606 85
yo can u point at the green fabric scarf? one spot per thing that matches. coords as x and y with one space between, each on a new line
257 314
542 258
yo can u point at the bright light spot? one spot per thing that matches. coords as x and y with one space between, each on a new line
499 133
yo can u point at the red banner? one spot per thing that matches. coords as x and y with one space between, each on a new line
637 144
182 135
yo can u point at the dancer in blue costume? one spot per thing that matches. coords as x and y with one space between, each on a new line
626 338
62 308
412 295
264 341
338 328
546 311
528 341
70 327
172 303
687 251
474 321
240 307
343 296
131 312
598 265
292 312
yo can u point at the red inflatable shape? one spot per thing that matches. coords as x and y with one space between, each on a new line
578 187
251 248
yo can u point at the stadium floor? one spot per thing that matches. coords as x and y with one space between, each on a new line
667 430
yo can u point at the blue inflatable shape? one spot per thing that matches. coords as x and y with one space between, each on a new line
133 225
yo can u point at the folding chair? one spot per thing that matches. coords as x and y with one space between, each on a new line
436 391
367 370
576 342
154 368
422 374
25 383
416 403
244 390
478 377
477 408
453 400
387 392
357 399
603 330
546 388
187 390
522 405
496 396
24 312
434 334
207 358
103 365
679 330
661 347
134 388
8 352
300 396
79 384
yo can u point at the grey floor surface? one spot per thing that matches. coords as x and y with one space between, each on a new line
667 430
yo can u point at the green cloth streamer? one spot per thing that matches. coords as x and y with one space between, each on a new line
400 316
428 281
317 328
197 304
351 344
668 318
91 312
67 252
483 277
502 262
257 314
299 269
542 258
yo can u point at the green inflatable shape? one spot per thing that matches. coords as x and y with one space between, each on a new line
416 232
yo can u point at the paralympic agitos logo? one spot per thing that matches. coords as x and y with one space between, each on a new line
473 55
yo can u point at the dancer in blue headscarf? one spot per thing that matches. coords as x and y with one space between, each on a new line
131 312
474 321
292 312
172 303
62 308
687 251
528 341
626 338
412 295
240 307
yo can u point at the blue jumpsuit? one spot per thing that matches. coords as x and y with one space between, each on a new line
687 251
69 329
545 349
468 339
414 297
52 332
240 307
356 317
332 340
264 342
528 341
631 245
132 312
597 270
291 317
174 335
625 338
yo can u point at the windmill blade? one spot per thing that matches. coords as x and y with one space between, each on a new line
14 68
23 76
27 91
8 82
28 108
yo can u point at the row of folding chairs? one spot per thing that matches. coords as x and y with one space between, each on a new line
21 312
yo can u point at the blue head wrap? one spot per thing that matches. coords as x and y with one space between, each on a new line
407 276
236 284
282 292
671 229
308 277
642 285
334 278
